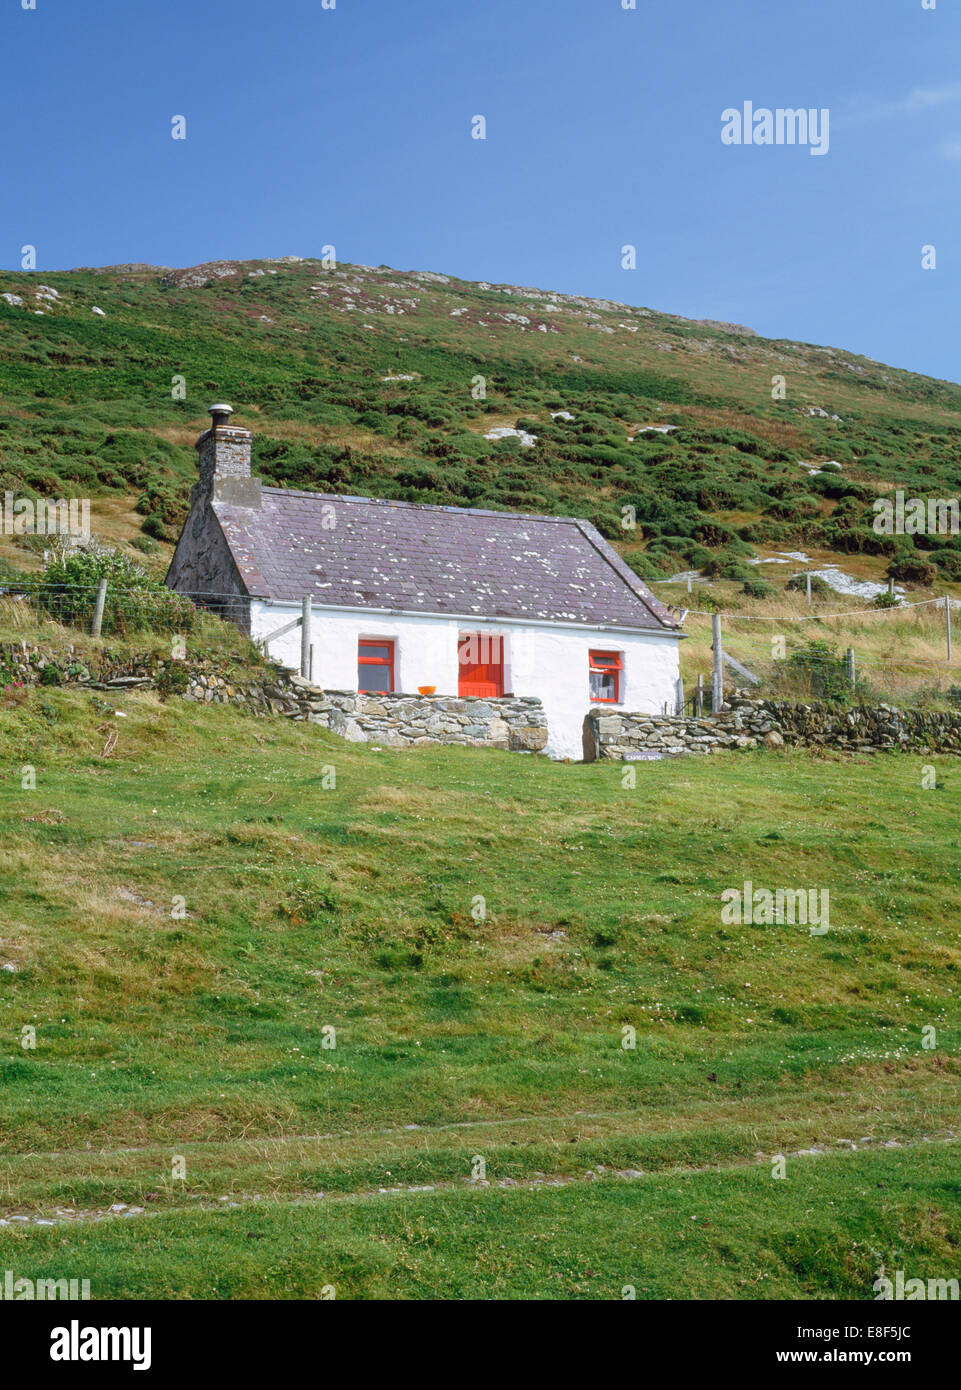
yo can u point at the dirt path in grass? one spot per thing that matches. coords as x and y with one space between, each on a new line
69 1216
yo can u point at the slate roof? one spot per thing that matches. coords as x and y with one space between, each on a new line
416 558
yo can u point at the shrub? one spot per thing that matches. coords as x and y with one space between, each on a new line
171 679
911 570
819 587
820 666
645 567
758 588
948 562
726 566
135 602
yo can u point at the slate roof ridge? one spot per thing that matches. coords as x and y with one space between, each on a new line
418 506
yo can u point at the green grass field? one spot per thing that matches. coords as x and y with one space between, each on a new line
183 1063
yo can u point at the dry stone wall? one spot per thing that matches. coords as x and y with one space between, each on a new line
400 721
746 723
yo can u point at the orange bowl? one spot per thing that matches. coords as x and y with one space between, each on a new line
426 689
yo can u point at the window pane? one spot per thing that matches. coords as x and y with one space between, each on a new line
375 649
374 678
610 659
603 685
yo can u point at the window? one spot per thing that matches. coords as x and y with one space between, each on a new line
375 667
606 670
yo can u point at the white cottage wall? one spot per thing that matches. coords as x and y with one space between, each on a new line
549 662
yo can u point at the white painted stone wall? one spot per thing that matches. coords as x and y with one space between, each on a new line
550 662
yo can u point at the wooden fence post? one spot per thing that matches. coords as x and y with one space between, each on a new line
717 685
305 639
311 663
700 696
947 624
808 578
851 674
679 697
98 610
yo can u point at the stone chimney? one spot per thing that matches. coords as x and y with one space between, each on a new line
224 462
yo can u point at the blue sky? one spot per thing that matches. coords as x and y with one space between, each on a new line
352 127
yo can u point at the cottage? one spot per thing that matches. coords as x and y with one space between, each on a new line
405 597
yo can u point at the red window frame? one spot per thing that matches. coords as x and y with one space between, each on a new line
388 660
611 664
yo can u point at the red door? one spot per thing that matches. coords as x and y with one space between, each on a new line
480 661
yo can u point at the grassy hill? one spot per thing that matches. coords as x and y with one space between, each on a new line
366 380
191 903
311 906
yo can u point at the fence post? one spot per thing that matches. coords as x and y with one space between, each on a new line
311 663
808 578
717 685
689 589
891 587
700 696
947 624
98 610
679 697
850 661
305 638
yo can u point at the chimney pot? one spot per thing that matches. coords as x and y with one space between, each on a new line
224 461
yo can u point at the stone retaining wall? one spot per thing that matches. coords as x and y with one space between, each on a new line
746 723
24 662
400 721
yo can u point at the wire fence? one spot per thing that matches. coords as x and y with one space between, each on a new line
106 609
902 654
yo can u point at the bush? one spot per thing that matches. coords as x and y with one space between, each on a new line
645 567
135 602
819 587
154 526
759 588
911 570
820 666
948 562
726 566
171 679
